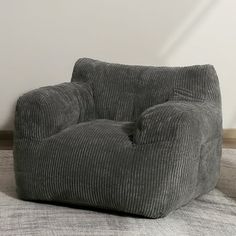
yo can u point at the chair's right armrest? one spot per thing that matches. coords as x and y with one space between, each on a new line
46 111
176 120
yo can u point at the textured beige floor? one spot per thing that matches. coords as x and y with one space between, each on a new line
211 214
227 182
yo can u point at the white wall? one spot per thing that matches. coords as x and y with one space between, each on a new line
41 40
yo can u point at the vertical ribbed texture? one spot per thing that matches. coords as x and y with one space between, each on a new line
137 139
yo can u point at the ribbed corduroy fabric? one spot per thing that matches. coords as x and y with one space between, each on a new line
138 139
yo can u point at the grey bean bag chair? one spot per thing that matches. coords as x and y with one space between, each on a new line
136 139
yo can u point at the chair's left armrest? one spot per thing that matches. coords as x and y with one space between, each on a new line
46 111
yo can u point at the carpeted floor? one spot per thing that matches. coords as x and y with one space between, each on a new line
211 214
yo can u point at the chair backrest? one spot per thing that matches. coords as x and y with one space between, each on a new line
123 92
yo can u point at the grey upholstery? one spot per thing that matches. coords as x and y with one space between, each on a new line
137 139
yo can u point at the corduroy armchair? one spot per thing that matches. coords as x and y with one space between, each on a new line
137 139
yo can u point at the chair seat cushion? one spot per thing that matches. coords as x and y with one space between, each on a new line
99 132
